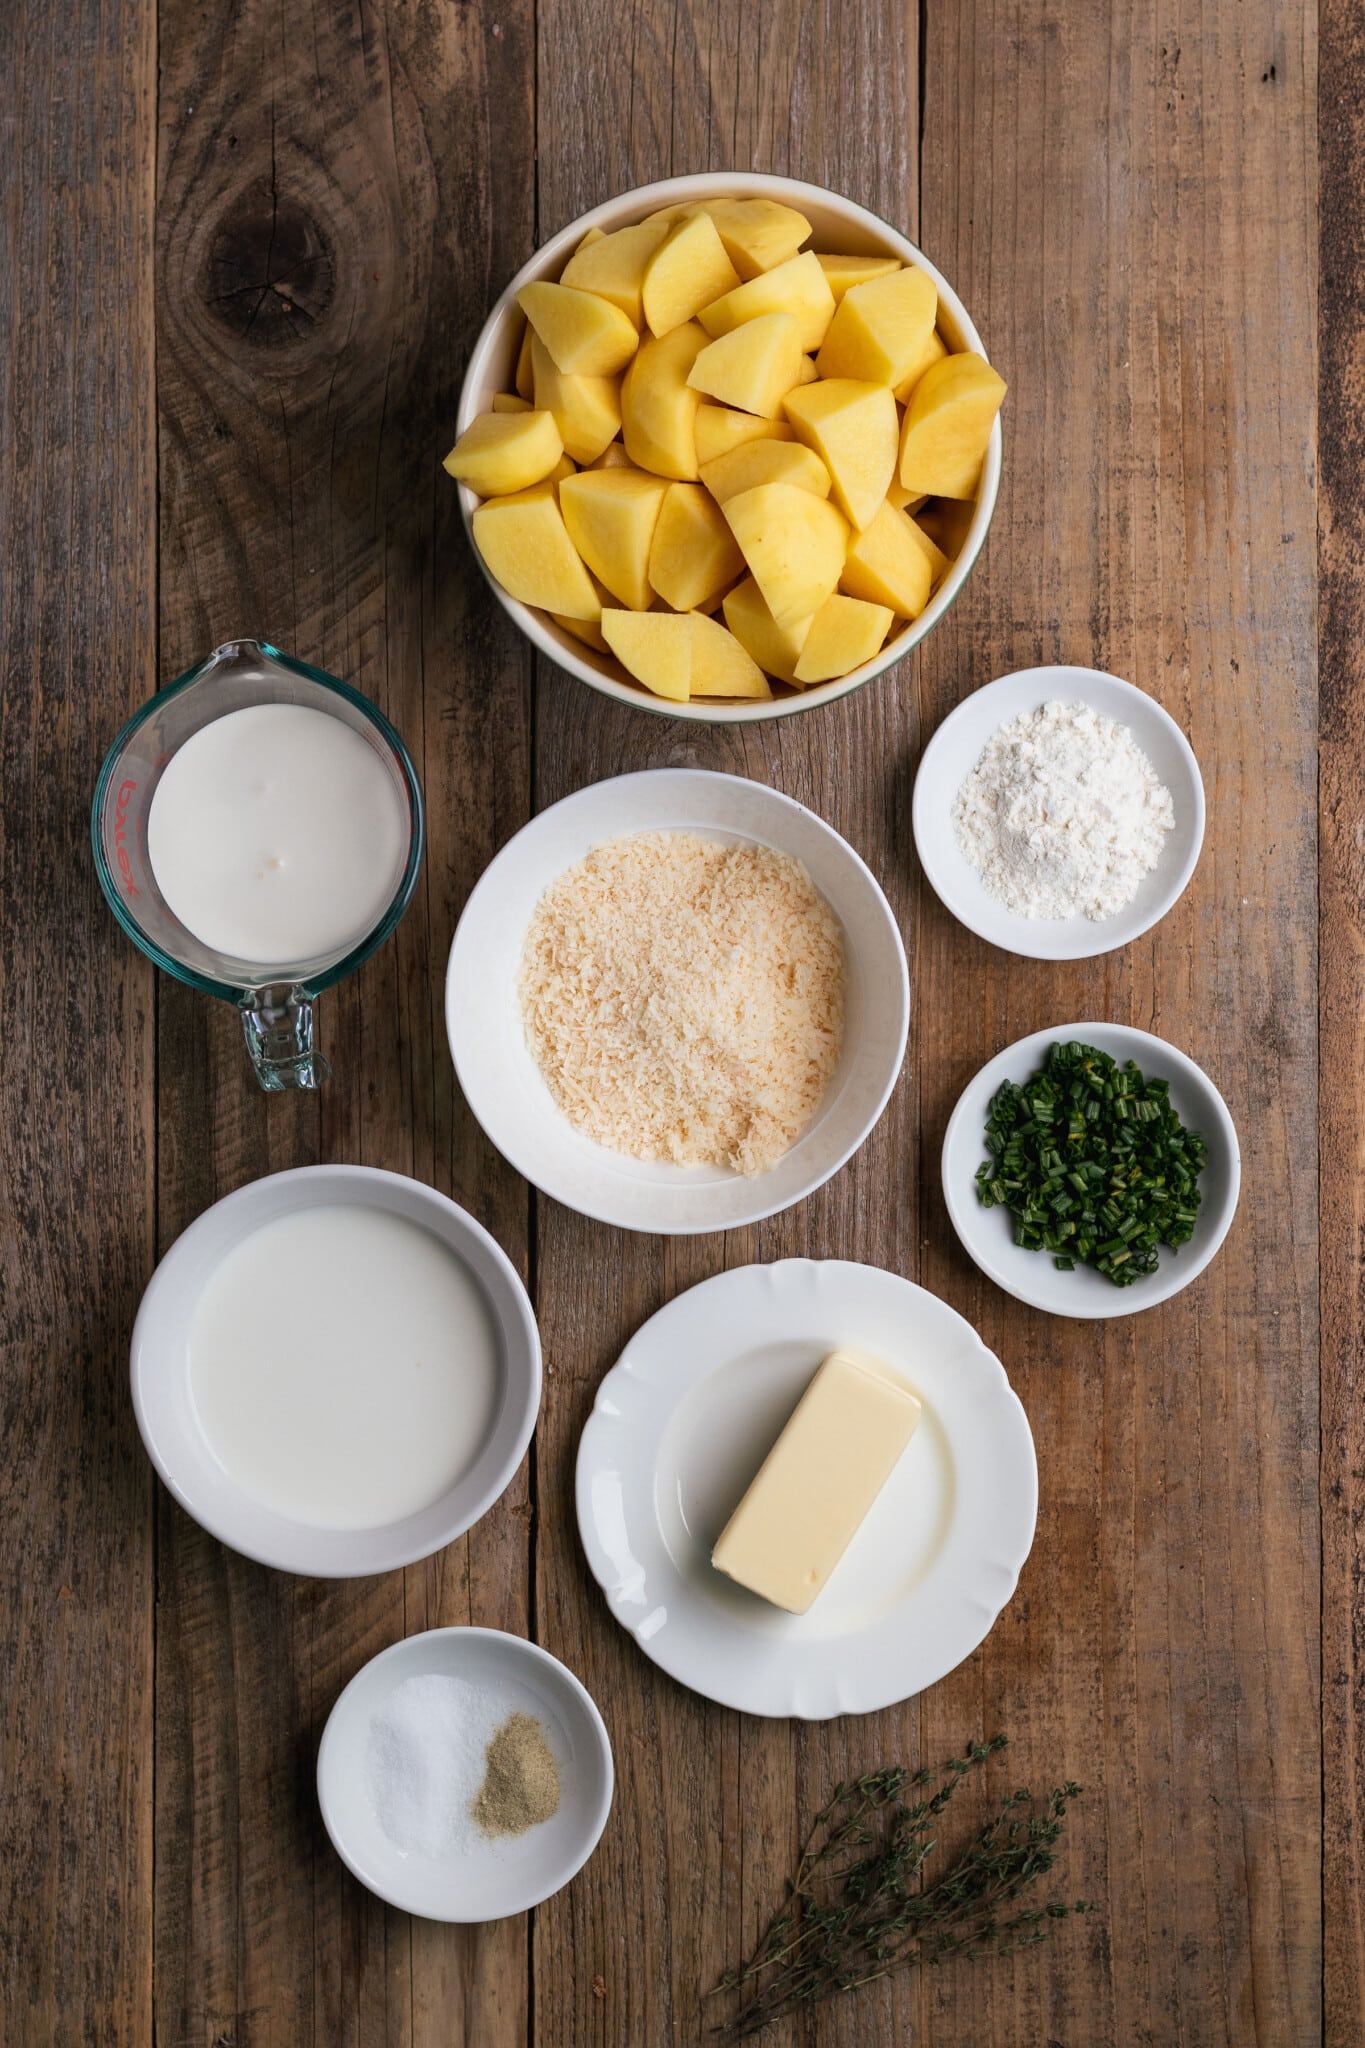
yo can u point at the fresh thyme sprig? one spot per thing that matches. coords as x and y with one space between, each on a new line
853 1912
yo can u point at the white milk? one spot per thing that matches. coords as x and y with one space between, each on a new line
345 1366
277 835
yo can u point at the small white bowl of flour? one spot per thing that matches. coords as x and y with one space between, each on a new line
1059 813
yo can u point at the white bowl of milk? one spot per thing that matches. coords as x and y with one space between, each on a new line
336 1370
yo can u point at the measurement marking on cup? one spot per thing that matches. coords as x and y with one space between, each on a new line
127 791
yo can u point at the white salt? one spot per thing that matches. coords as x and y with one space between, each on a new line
426 1755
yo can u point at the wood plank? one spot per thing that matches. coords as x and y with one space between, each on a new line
1158 485
709 1802
1162 1646
337 193
77 655
1342 984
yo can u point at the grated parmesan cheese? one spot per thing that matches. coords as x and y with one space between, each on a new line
684 999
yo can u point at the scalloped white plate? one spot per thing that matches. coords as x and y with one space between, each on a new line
680 1426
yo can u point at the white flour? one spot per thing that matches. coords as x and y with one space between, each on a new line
1063 813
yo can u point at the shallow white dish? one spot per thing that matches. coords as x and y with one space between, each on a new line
519 1871
988 1234
953 752
503 1085
684 1419
163 1396
840 226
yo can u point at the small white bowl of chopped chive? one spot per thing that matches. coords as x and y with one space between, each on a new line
1059 813
1091 1170
677 1001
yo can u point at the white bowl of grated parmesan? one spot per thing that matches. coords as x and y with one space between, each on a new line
840 226
677 1001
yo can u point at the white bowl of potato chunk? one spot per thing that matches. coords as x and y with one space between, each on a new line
727 447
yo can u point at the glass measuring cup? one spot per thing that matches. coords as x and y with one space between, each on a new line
276 999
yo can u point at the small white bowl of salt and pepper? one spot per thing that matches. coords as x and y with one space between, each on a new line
1059 813
464 1774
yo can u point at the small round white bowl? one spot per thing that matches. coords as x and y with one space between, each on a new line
504 1087
954 751
522 1870
842 228
988 1234
163 1396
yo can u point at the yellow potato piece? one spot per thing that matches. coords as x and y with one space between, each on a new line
524 377
753 367
510 401
903 500
794 544
590 235
935 349
613 456
587 336
721 667
947 426
852 427
880 328
587 410
888 564
526 547
589 631
775 648
658 407
843 272
564 467
843 635
809 374
611 515
797 287
502 452
939 562
654 647
687 270
765 462
613 266
758 234
718 429
693 556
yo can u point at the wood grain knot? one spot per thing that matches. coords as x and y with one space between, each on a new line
270 276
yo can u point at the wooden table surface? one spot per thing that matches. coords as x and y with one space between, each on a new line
246 248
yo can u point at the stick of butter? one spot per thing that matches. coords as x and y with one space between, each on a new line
813 1491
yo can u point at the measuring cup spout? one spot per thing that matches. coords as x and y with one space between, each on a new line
278 1024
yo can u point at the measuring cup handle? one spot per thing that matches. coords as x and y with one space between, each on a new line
278 1024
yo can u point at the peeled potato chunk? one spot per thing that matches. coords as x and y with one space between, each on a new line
775 648
611 515
843 272
765 462
589 631
500 452
903 500
844 634
753 367
721 667
658 406
524 377
656 647
794 544
613 456
797 287
526 546
693 556
613 266
852 427
586 335
719 428
935 349
809 373
880 328
886 564
508 401
687 270
757 234
587 410
937 559
947 426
